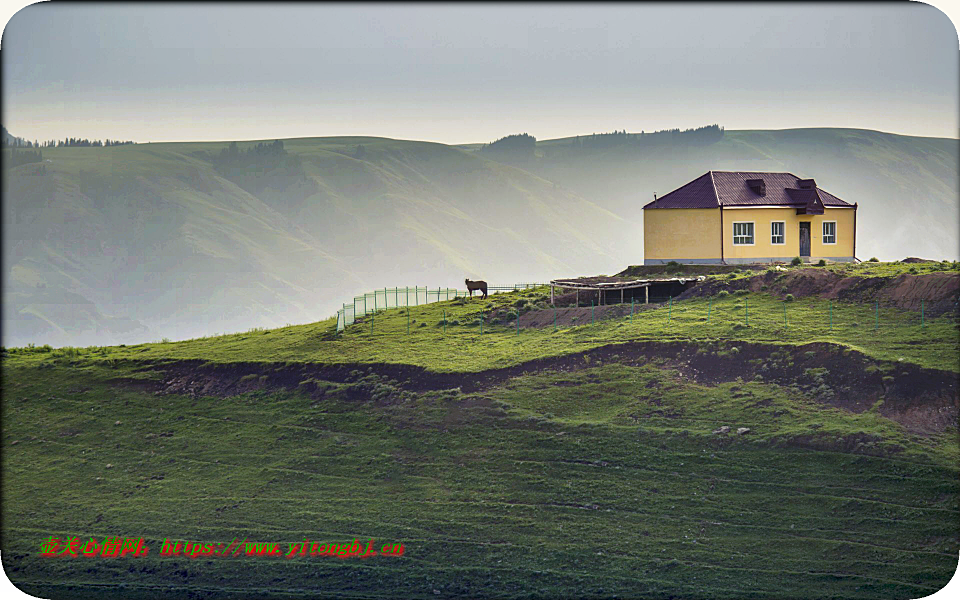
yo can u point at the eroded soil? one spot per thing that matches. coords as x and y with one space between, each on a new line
924 401
939 292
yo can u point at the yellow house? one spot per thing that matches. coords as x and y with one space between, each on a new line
725 217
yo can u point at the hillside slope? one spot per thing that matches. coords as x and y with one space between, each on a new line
130 243
175 240
675 452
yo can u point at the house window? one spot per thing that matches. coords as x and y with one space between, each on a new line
743 233
829 232
777 229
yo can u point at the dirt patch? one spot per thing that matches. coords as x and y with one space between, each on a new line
938 291
923 400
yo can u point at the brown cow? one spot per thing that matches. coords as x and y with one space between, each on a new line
476 285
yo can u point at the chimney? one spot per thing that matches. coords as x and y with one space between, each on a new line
806 184
758 186
655 204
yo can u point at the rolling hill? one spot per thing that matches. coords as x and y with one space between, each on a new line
141 242
675 452
165 240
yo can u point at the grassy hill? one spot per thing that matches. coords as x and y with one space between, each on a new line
141 242
590 460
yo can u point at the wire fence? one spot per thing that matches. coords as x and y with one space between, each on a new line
400 297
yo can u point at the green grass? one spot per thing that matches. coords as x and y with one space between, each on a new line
751 317
603 479
610 495
863 269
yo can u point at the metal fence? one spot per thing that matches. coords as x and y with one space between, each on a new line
398 297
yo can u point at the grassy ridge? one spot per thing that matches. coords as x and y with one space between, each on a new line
890 334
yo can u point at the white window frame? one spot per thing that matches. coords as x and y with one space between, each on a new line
753 233
783 235
823 239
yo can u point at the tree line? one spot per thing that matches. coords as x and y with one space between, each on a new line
519 145
22 157
85 143
699 135
262 157
523 146
265 165
66 142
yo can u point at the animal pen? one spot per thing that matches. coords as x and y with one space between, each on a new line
613 290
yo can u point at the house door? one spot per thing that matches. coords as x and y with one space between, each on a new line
805 238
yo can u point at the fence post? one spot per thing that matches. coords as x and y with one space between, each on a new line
416 296
408 319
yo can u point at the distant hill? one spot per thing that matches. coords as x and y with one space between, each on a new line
907 187
140 242
8 139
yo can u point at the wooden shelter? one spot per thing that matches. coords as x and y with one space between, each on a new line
613 290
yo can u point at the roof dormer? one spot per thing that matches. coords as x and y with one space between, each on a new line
758 186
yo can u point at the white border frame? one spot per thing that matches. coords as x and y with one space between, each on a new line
733 230
823 235
784 236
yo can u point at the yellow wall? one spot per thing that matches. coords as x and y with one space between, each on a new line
681 233
694 233
762 247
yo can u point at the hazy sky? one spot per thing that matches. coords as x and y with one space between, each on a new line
473 73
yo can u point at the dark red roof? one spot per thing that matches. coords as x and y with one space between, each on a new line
728 188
